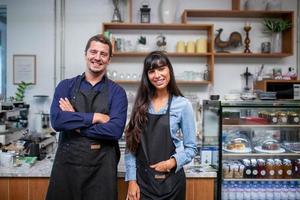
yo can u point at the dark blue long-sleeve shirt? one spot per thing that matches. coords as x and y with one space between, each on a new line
64 120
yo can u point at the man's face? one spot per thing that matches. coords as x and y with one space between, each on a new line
97 57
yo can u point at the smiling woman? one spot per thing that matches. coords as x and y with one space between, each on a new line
154 168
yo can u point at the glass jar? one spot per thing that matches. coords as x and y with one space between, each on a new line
282 117
272 118
293 118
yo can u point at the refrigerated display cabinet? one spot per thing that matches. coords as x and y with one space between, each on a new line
259 150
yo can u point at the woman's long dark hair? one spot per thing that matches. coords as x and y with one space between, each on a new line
145 93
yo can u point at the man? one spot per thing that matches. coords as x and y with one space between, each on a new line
90 112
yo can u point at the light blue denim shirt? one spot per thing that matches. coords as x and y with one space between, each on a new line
181 118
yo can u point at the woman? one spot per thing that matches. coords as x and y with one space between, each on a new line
153 157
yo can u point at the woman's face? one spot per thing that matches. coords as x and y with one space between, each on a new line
159 77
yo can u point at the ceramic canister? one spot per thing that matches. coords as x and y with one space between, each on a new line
201 46
190 47
180 47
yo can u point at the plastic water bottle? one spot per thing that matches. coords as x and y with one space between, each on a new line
232 192
225 192
284 191
277 190
240 190
269 191
254 191
261 191
247 192
298 190
292 191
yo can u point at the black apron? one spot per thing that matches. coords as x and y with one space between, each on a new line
85 168
157 145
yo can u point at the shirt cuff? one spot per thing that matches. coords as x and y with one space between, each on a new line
179 161
130 174
88 118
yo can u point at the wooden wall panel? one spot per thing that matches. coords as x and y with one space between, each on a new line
189 193
204 189
4 188
122 189
38 188
18 189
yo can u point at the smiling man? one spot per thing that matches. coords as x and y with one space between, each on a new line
90 112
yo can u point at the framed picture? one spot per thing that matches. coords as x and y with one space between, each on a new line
24 69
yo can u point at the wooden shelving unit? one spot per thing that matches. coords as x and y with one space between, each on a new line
252 55
137 54
287 36
208 28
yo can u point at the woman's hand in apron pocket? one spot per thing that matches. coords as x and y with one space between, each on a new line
133 191
164 166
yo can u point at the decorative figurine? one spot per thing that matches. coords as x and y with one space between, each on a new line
161 42
247 29
142 45
247 76
235 40
117 15
145 13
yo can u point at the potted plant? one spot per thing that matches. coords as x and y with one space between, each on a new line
20 93
276 26
142 44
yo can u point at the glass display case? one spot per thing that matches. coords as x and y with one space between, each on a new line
259 150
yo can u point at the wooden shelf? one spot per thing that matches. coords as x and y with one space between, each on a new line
178 81
173 54
235 14
126 26
208 28
252 55
287 35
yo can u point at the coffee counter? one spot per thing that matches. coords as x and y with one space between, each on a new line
27 183
43 169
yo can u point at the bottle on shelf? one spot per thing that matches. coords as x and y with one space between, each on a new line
261 168
278 168
248 168
270 169
254 168
287 168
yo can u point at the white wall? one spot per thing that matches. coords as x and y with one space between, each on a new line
31 30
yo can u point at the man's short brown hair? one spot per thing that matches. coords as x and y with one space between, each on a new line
99 38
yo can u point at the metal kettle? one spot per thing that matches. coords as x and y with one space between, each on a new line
34 149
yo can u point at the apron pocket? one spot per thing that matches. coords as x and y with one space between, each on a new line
154 183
